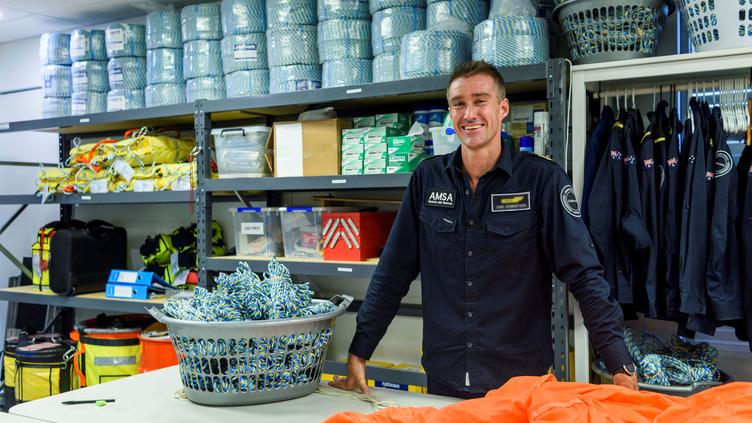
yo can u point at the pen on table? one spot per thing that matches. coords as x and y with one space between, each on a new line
100 401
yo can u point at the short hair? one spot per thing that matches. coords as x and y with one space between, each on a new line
479 67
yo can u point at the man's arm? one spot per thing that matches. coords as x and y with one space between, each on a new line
574 261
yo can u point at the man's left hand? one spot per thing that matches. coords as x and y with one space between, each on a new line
627 381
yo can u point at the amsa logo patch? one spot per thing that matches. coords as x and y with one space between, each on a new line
441 198
723 163
569 201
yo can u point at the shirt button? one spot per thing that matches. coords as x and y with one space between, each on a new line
469 314
468 283
469 253
471 222
469 345
467 192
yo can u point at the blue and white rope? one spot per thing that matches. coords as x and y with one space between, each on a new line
293 46
208 88
125 100
511 41
127 73
164 94
444 12
391 25
280 13
243 16
164 66
57 81
346 72
433 53
344 39
202 58
343 9
244 52
247 83
87 102
201 22
286 79
87 45
125 40
54 49
163 30
56 107
90 75
386 67
376 5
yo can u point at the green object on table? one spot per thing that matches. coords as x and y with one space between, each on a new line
100 403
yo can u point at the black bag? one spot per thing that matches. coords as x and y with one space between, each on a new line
81 258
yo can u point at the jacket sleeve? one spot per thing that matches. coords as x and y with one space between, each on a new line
397 268
574 261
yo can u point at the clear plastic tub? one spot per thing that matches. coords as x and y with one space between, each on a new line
241 152
257 231
302 230
442 142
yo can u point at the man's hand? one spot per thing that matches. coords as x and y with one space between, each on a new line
356 376
627 381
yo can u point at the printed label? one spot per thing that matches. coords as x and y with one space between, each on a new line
307 84
183 183
143 185
115 39
115 103
121 291
79 46
123 169
518 201
441 198
245 52
78 107
116 76
99 186
80 79
203 23
127 277
252 228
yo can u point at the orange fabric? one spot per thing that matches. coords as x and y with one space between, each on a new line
543 399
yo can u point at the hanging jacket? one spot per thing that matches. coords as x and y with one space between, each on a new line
694 234
744 226
593 153
647 288
671 212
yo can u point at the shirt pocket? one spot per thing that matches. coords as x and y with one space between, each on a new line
511 235
439 232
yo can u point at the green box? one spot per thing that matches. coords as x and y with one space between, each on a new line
352 152
375 151
353 136
374 167
393 120
352 167
364 122
405 144
401 159
379 135
402 168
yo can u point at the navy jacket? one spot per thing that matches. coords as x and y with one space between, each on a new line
671 212
593 155
745 234
648 288
485 260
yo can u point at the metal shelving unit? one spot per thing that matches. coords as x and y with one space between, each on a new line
310 183
163 197
95 301
352 269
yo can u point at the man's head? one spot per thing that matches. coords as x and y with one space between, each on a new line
477 104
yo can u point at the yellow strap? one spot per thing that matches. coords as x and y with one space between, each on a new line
619 125
660 139
647 134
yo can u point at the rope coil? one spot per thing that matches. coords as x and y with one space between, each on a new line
164 94
376 5
163 30
243 17
346 72
244 52
202 58
386 67
208 88
391 25
54 49
125 40
164 66
293 46
286 79
433 53
86 102
57 81
247 83
469 12
511 41
201 22
127 73
87 45
343 9
344 39
280 13
124 99
90 75
53 107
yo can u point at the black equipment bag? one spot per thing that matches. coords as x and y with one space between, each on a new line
81 258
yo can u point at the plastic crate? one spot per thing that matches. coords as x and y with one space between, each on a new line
258 231
355 236
302 230
242 151
718 24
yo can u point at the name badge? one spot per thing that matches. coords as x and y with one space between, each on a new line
519 201
441 198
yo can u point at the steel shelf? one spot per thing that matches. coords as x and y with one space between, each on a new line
94 301
107 198
402 377
351 269
311 183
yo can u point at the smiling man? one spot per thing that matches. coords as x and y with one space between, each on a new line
485 228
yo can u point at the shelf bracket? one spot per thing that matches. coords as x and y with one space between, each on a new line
202 125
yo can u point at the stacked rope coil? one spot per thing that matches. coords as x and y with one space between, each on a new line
376 5
127 73
293 46
208 88
442 12
54 49
87 45
344 39
386 67
90 75
511 41
53 107
281 13
57 81
86 102
433 53
201 22
243 17
346 72
124 99
164 94
246 83
125 40
164 66
163 30
391 25
244 52
286 79
202 58
343 9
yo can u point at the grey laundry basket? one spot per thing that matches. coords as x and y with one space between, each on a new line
252 362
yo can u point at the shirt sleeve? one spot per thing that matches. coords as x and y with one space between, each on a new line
397 268
574 261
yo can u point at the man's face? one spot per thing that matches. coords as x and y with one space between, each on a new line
476 110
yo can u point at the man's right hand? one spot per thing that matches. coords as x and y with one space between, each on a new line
356 376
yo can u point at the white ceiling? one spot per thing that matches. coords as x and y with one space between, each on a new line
28 18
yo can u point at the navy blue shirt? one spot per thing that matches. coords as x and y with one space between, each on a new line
485 260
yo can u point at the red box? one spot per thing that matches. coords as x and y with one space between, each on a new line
355 236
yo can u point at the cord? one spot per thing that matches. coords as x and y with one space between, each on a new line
376 402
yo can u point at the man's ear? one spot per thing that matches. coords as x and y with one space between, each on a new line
504 109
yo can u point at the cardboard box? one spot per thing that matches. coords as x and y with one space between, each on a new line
353 136
352 167
520 120
375 151
374 167
402 168
405 144
380 135
352 152
308 148
399 121
402 159
364 122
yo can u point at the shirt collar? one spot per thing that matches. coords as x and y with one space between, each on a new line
504 163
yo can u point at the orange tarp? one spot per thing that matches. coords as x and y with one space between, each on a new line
543 399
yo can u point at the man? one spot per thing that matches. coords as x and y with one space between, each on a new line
485 228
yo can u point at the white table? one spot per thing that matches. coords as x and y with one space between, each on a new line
150 397
12 418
